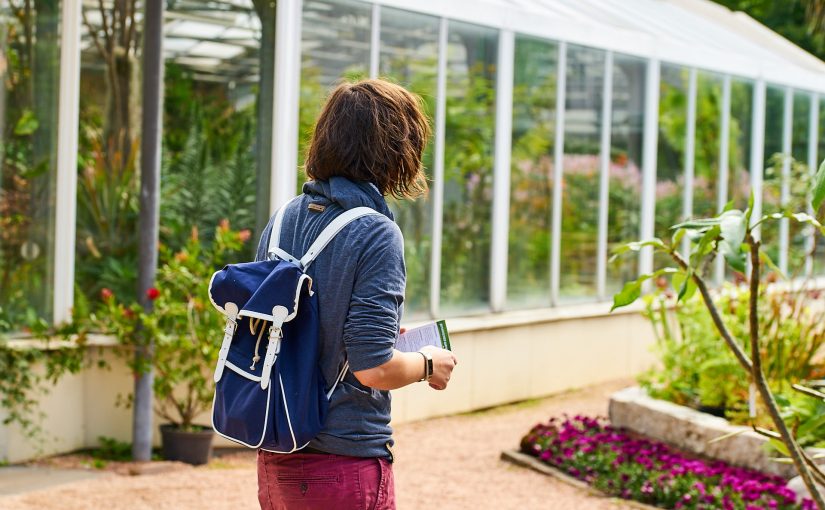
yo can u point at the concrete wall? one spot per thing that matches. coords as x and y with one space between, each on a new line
502 358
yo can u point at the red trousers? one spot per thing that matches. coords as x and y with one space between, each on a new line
309 481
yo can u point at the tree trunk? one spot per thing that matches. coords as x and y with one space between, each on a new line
149 216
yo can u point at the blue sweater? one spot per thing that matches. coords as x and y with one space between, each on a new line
360 278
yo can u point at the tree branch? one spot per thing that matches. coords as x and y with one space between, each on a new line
758 377
93 33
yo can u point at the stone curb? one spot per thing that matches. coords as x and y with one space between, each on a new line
524 460
694 431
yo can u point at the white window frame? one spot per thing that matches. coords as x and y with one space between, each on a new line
67 141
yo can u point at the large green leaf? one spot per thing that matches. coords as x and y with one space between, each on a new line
629 294
636 246
818 193
733 228
633 289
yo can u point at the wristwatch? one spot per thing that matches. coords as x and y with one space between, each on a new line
428 366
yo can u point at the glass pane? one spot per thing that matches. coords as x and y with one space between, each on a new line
819 249
468 168
741 107
772 180
739 149
671 152
216 135
109 140
29 81
708 136
799 182
624 203
580 195
409 56
531 172
335 45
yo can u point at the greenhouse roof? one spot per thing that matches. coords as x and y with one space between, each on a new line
695 33
219 38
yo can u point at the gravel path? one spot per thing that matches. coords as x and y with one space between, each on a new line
447 463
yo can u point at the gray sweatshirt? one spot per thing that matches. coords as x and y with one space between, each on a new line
360 278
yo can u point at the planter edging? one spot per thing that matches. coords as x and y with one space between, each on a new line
691 430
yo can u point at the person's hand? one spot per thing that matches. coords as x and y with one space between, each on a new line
443 363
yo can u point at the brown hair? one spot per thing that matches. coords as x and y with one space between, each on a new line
374 131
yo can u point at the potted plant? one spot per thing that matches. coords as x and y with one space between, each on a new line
185 330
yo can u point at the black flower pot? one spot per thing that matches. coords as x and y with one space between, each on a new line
189 446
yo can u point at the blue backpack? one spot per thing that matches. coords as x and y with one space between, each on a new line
269 389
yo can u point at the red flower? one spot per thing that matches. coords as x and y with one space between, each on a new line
152 294
244 235
106 294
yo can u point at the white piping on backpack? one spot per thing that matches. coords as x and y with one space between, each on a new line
228 333
266 420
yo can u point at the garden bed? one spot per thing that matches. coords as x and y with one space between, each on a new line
622 464
693 431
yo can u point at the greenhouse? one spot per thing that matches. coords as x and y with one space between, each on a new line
561 131
659 123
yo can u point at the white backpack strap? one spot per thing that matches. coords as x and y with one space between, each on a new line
332 230
340 378
228 333
275 236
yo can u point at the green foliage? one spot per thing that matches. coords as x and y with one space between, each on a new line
182 325
208 173
111 449
787 18
806 416
31 365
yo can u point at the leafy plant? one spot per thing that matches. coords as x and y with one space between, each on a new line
182 324
697 373
31 365
734 235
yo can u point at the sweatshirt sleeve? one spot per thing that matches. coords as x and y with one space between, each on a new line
371 326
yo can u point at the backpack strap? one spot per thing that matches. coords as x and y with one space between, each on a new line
275 236
332 230
340 378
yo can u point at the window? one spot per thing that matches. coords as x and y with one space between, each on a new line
531 172
799 184
706 146
625 178
335 46
580 173
741 109
216 144
468 168
409 56
819 250
772 180
671 153
29 97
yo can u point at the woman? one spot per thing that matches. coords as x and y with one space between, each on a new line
368 142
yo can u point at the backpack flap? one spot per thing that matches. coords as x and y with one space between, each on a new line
276 301
229 290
